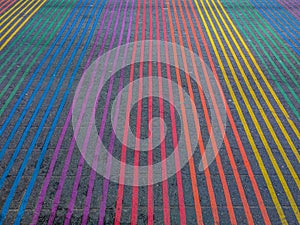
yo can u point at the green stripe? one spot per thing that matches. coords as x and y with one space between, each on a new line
269 58
53 33
274 34
33 23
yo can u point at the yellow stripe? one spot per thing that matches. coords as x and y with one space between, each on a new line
294 149
248 133
288 163
294 174
17 16
285 186
20 26
11 14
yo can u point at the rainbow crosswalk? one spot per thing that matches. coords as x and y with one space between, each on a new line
249 61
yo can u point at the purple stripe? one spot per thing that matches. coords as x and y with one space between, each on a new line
81 161
104 119
112 139
62 135
289 7
86 142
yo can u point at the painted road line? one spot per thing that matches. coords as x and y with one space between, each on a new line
287 6
16 152
258 33
262 111
16 7
41 126
20 26
150 115
218 161
37 87
294 25
208 122
165 192
70 151
234 167
112 138
7 6
267 28
81 161
277 26
28 191
291 168
237 137
135 188
17 55
59 36
254 119
63 133
290 24
17 14
207 172
125 136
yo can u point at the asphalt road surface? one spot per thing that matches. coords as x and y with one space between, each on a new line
149 112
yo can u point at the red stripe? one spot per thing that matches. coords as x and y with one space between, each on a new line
150 156
165 191
237 137
2 10
125 136
174 131
215 148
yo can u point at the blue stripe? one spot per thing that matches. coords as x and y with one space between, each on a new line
39 68
295 48
19 176
39 104
23 138
40 82
44 149
287 15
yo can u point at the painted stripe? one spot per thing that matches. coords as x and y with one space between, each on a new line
279 122
165 192
48 138
150 114
16 7
79 169
19 176
19 26
56 21
63 133
254 36
7 6
288 6
294 25
287 36
17 124
18 15
6 122
40 128
284 18
135 189
125 136
274 197
237 137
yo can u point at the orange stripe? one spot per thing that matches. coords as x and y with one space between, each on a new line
226 142
237 137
